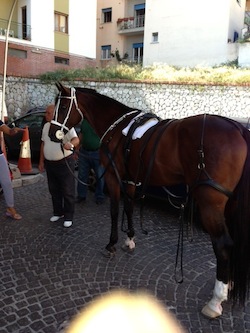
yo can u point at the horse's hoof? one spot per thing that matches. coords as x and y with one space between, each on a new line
109 251
108 254
210 313
127 249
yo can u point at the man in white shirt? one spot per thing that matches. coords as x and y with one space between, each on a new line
57 158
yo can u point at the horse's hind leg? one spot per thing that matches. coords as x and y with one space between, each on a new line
212 215
129 209
222 248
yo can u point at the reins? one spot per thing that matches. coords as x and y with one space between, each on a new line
76 178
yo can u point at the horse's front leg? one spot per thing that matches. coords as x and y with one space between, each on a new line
114 194
129 209
222 248
114 212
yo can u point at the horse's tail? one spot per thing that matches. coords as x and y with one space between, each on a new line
239 228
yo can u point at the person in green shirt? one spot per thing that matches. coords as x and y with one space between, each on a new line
89 158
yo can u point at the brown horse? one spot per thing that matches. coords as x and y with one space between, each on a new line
209 153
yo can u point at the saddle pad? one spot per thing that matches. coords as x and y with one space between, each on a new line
140 130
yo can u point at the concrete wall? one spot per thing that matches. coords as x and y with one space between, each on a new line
82 27
167 101
244 54
192 32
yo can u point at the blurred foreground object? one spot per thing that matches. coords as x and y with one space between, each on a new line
124 312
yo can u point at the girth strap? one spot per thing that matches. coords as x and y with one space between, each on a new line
212 183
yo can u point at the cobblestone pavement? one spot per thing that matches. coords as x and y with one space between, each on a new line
49 273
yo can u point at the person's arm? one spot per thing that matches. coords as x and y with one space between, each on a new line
72 144
72 140
80 140
10 131
41 159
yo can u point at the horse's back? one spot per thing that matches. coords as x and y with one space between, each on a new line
214 143
204 141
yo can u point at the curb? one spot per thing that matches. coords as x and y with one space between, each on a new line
27 180
24 180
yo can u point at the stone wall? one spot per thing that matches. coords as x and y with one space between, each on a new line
166 100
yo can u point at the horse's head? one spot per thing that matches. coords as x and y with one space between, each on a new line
67 113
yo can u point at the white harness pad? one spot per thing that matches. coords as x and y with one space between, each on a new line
140 130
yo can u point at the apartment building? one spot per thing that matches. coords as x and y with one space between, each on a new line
181 33
48 35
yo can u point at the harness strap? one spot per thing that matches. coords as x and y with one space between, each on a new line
201 166
164 125
111 127
138 121
212 183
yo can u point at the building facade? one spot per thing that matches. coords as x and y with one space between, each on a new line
182 33
48 35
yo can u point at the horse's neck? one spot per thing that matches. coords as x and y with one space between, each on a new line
106 120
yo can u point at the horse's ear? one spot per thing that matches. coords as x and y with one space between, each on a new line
60 87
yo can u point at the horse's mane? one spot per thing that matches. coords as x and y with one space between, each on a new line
107 98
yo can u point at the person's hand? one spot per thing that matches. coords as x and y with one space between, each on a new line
41 167
15 130
68 146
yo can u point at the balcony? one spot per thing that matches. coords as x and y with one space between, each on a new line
131 25
17 30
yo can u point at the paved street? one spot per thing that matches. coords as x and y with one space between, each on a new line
49 273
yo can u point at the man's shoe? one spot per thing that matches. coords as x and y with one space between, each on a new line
55 218
67 224
80 199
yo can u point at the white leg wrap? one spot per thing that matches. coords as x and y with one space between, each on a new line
129 242
213 308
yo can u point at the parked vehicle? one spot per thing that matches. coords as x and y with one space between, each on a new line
34 119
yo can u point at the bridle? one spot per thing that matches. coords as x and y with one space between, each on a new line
73 100
60 133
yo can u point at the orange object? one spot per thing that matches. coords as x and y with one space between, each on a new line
24 162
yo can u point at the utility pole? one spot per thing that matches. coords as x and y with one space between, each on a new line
6 57
4 74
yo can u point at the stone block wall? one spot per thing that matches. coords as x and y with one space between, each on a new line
166 100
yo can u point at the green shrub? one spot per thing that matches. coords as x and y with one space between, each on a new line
225 74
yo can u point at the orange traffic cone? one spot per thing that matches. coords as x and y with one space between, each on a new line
24 162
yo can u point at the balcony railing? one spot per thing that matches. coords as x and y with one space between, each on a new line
131 22
17 30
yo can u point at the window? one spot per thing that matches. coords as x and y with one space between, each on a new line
236 36
106 52
61 22
22 54
155 37
24 22
106 15
139 15
59 60
138 52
